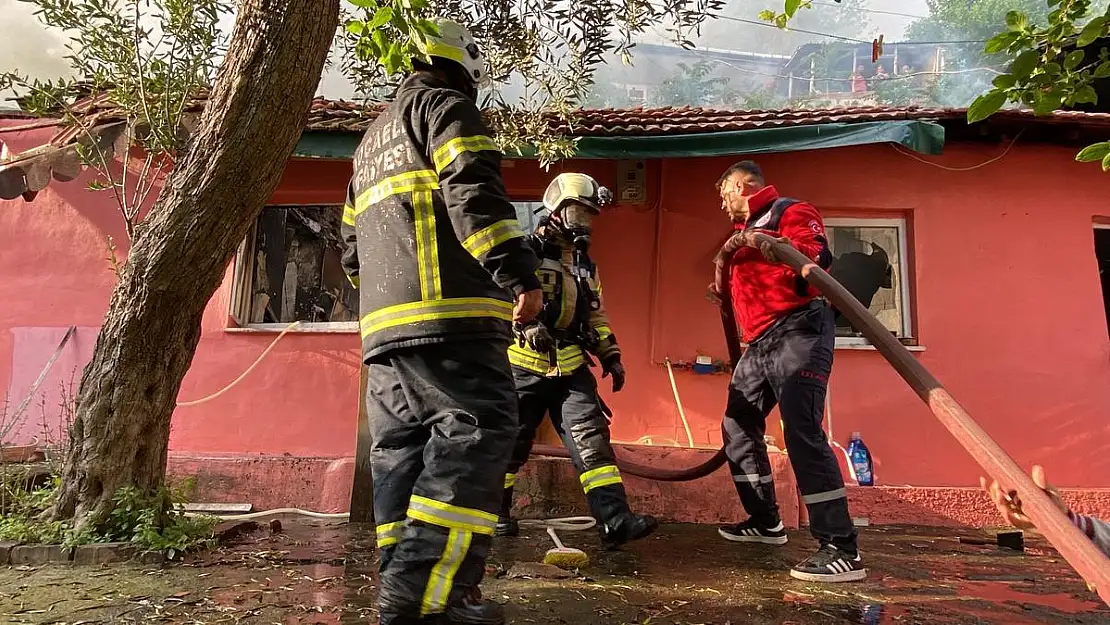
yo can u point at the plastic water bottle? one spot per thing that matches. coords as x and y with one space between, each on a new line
861 460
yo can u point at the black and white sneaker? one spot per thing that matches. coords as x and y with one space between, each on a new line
830 565
750 532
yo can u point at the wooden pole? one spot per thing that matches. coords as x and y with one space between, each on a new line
362 492
1076 548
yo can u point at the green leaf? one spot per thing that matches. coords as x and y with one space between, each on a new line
767 15
985 105
791 7
1004 81
365 4
356 27
1103 70
1047 102
1016 20
381 17
1024 64
1073 59
1086 95
1094 152
1106 163
1092 31
1001 42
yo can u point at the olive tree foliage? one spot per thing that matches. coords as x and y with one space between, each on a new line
146 58
1054 65
553 47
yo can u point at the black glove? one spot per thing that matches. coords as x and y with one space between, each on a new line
538 338
614 368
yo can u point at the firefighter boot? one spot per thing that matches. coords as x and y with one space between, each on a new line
390 618
506 525
625 527
471 609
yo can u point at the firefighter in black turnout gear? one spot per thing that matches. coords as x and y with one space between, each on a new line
436 246
552 355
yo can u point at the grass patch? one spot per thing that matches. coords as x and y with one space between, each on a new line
148 521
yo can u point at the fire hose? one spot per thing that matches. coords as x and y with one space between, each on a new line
717 460
1077 549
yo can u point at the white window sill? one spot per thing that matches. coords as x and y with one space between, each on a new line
304 328
857 344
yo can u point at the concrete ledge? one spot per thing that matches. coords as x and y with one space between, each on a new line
35 555
6 552
318 484
102 553
547 487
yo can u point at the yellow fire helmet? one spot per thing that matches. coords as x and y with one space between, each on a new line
579 187
455 43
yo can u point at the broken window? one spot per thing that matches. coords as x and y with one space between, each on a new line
527 213
1102 252
869 259
289 269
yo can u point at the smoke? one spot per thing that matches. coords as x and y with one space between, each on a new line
37 52
29 49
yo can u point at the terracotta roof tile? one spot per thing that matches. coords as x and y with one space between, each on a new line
29 172
342 116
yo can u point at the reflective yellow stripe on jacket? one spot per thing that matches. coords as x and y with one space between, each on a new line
570 358
433 310
480 243
419 180
448 152
427 245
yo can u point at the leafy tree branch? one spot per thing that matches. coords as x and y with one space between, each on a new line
553 47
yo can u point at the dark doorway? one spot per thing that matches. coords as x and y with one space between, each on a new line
1102 252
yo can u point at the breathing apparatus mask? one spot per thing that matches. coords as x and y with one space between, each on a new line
574 200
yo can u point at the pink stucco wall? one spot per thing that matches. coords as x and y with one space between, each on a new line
1005 297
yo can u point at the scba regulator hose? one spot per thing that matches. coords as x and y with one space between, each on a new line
642 470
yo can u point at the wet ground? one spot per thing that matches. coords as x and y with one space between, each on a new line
683 575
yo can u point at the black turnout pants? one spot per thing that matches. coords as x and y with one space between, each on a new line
789 365
575 410
443 419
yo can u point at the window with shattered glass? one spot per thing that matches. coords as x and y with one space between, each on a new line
291 270
870 260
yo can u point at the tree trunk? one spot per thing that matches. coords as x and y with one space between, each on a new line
253 119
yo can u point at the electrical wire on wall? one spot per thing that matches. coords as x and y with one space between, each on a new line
904 152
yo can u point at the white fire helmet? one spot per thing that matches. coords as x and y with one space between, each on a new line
455 43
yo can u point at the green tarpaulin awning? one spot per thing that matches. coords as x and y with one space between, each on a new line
919 136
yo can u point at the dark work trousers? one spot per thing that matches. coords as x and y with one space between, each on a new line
576 413
789 365
443 419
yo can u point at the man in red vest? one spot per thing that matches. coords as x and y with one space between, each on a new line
789 330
